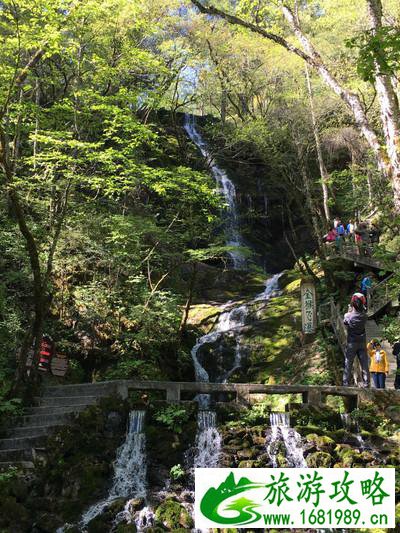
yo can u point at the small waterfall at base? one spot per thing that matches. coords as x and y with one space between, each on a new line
282 432
130 469
144 519
208 441
347 421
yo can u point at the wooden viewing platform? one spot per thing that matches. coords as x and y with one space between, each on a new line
351 252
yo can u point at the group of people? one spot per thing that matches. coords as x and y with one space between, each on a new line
373 359
362 234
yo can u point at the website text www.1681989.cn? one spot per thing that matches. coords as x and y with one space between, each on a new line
320 517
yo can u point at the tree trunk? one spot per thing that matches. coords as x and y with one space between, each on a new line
389 105
351 99
314 60
321 162
189 300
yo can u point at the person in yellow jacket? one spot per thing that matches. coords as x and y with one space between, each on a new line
379 365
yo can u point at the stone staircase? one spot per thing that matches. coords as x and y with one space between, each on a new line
26 439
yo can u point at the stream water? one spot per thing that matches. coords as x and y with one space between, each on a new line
282 432
130 469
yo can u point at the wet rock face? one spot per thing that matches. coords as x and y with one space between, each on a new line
218 356
114 423
244 448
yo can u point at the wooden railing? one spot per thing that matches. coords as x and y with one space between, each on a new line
241 392
380 295
361 254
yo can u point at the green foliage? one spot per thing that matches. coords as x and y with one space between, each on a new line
325 419
391 328
380 47
323 378
173 417
8 475
12 407
177 472
370 419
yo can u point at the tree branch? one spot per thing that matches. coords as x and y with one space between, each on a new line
211 10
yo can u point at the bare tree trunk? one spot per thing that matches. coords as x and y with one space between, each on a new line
351 99
314 60
389 105
189 300
321 162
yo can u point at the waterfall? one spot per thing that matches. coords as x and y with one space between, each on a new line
228 191
208 441
347 421
271 289
279 420
145 519
130 469
228 321
282 432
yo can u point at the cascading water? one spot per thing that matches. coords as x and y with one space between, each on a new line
208 441
227 189
282 432
230 322
130 469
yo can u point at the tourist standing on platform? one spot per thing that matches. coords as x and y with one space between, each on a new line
355 321
330 236
379 366
340 233
350 230
366 286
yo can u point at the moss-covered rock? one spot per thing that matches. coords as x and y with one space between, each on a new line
319 460
173 515
321 442
126 528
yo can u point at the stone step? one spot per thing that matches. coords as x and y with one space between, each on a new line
16 455
32 431
67 401
43 420
104 388
58 410
21 465
22 443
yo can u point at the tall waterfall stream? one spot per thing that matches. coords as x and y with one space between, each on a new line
130 468
227 189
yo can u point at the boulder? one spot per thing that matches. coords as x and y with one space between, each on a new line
319 460
173 515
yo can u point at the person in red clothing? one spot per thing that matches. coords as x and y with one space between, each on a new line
46 353
331 235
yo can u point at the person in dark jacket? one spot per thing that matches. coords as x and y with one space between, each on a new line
396 353
355 321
